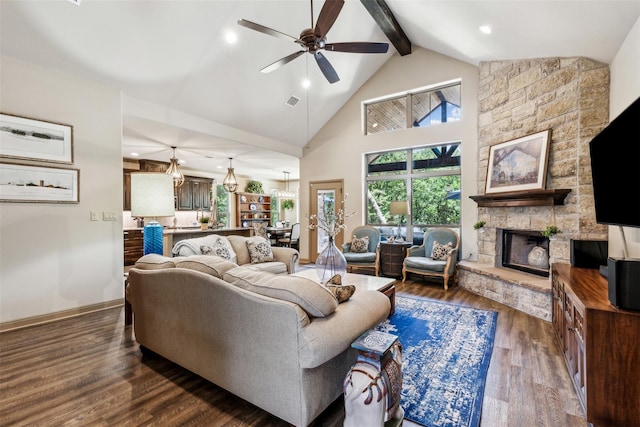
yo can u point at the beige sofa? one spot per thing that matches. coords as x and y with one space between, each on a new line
281 342
285 259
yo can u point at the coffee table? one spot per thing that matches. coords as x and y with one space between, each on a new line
361 281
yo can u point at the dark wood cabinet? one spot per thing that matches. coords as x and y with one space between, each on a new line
133 246
392 256
600 345
194 194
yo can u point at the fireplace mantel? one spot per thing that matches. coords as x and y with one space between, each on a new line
522 198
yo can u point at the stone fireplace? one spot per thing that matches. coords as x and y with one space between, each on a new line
569 96
524 250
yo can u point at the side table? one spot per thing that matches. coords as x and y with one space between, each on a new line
392 256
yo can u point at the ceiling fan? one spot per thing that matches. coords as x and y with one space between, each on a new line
314 39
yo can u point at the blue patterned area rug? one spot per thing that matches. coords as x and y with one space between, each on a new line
446 350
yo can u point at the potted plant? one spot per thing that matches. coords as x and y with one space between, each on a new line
254 187
204 222
287 204
478 225
550 231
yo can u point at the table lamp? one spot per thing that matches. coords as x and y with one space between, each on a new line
152 197
400 208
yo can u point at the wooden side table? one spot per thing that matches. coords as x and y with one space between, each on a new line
392 256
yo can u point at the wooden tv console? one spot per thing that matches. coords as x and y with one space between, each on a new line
601 346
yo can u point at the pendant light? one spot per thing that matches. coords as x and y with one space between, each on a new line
286 193
230 183
174 170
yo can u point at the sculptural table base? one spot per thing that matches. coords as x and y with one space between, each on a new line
373 385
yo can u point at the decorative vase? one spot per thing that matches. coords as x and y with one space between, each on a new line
330 262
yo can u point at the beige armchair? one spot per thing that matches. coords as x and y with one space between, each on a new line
371 256
435 261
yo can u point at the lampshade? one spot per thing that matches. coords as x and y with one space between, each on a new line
400 207
230 183
151 195
175 171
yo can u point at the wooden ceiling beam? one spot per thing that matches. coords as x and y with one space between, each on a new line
383 16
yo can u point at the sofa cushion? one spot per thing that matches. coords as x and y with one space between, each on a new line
275 267
210 264
312 297
259 250
154 262
360 245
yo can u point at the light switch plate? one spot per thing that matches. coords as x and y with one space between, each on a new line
94 215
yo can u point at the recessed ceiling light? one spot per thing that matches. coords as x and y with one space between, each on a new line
306 83
182 162
375 125
231 37
135 154
485 29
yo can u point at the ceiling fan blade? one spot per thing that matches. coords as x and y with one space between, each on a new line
326 68
358 47
279 63
328 15
266 30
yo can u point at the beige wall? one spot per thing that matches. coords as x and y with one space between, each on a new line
337 151
52 257
625 88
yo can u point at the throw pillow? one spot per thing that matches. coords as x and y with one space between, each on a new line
342 292
360 245
259 250
213 265
219 246
312 297
439 252
260 230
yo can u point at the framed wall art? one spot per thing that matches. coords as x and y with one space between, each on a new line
23 138
38 184
519 164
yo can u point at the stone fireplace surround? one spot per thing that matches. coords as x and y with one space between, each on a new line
570 96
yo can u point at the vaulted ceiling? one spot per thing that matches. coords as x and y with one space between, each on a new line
184 85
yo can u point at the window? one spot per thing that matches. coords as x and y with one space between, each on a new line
427 177
417 108
222 206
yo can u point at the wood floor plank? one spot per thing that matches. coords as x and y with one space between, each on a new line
89 370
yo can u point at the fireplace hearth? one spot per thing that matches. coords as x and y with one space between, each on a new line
524 250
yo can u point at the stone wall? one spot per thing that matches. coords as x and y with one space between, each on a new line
570 96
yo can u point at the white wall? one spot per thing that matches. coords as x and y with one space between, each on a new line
52 257
336 152
625 88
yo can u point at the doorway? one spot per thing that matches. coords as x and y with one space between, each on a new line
324 194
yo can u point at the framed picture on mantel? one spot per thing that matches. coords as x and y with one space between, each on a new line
519 164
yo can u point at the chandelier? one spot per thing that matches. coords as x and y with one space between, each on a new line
174 170
230 183
286 193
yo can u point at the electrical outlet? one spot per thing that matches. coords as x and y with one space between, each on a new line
94 215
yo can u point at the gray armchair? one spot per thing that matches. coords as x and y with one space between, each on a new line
370 258
419 261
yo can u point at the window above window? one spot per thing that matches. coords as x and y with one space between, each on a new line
417 108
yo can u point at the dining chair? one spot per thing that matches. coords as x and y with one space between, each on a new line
293 240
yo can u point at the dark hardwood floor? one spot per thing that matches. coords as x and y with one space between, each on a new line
89 371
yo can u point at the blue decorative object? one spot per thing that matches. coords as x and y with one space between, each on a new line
446 351
153 238
330 262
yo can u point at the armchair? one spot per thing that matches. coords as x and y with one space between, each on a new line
419 258
369 258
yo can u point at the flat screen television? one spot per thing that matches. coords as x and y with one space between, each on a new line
615 169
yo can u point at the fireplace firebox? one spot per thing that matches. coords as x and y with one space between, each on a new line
525 250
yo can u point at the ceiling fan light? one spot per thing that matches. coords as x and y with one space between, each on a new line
175 171
230 183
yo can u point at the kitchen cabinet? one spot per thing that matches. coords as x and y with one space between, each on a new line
600 346
194 194
133 246
253 208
